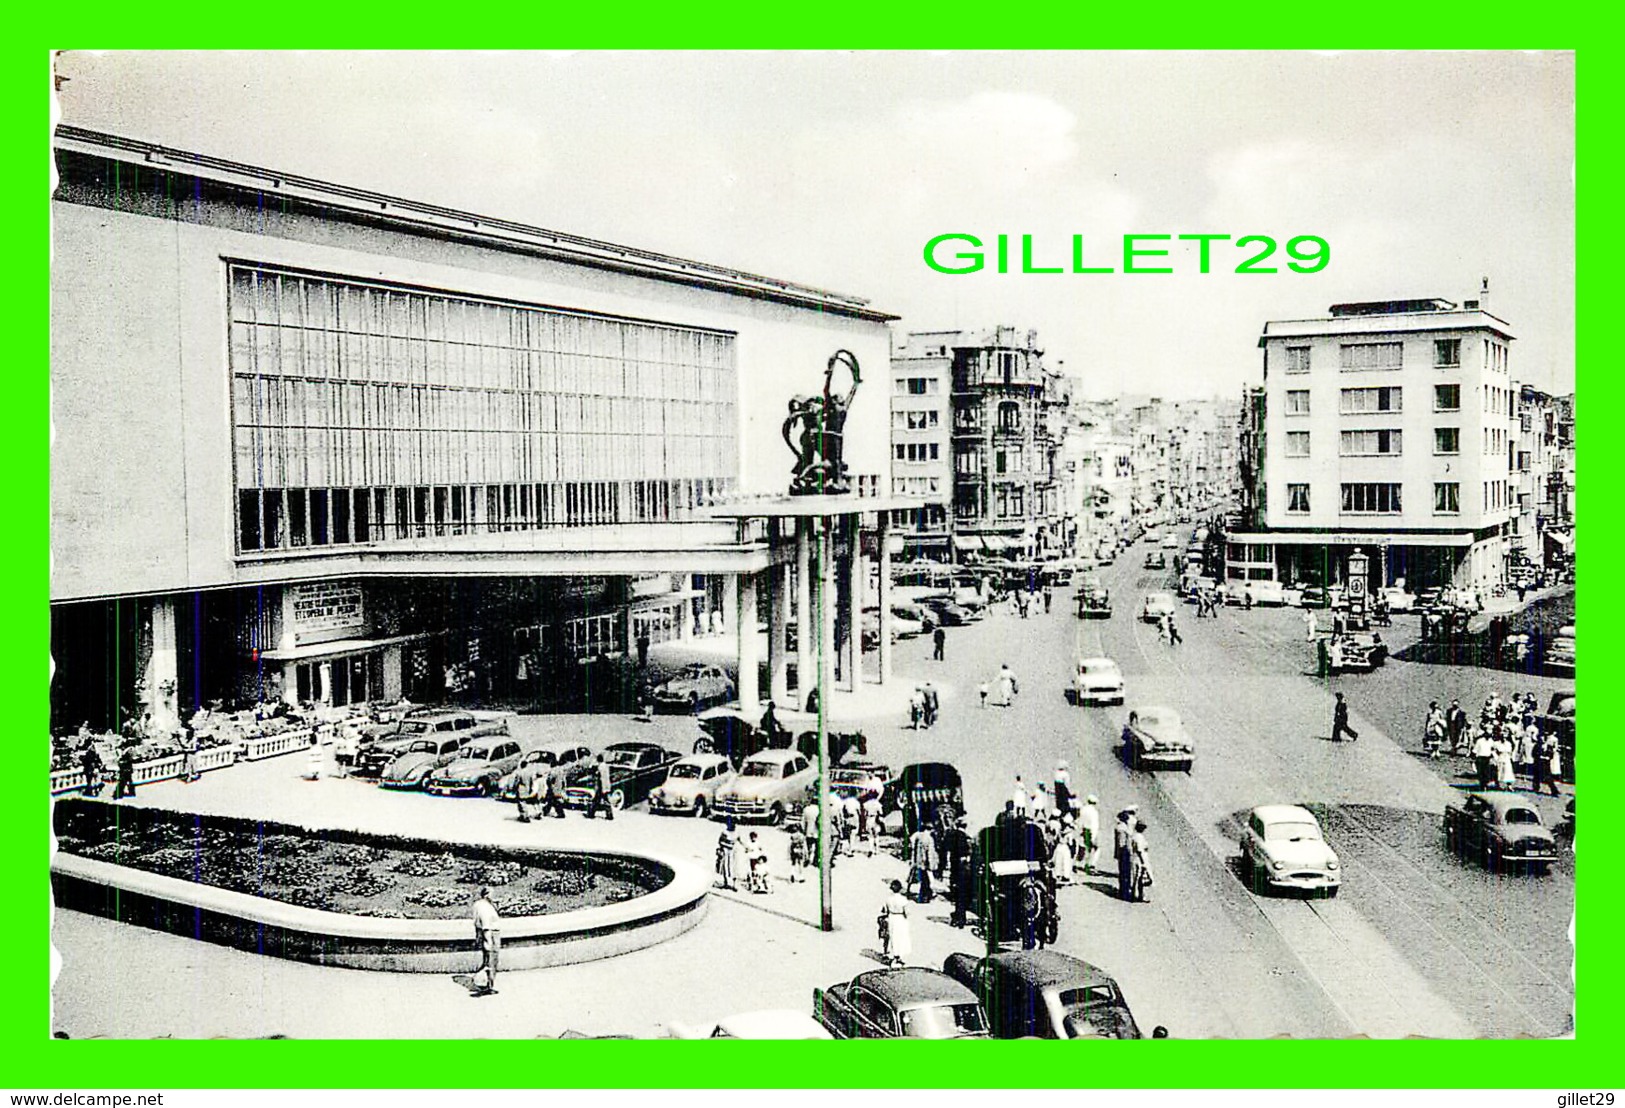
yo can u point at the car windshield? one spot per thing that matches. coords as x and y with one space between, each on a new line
681 771
542 757
1160 722
426 746
1096 668
692 672
945 1021
760 769
621 757
414 727
1077 999
1521 815
478 753
1291 832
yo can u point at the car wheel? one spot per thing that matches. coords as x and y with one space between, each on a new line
699 807
488 787
1331 892
775 815
617 800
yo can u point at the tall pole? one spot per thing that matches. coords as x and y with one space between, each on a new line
825 593
806 625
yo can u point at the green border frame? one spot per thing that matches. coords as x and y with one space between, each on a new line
32 1059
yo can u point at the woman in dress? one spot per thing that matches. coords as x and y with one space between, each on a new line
896 942
1504 775
1139 864
727 846
1061 855
313 761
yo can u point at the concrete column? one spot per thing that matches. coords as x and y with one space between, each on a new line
778 615
392 662
854 602
744 623
883 539
158 684
730 603
806 624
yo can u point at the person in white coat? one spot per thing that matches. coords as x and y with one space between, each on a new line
1005 687
1089 832
896 940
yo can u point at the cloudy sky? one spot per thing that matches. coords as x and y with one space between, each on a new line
1425 172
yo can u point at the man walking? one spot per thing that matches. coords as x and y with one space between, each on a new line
1049 597
1455 725
524 790
939 639
1122 837
1483 756
929 693
488 937
90 760
186 739
553 794
922 855
957 846
1340 721
600 791
1173 631
125 785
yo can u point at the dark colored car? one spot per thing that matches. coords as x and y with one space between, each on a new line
947 612
907 1003
635 768
1044 994
1013 889
1502 829
922 791
1094 599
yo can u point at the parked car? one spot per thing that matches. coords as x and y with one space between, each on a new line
1560 651
859 779
919 613
1398 599
1156 605
1155 738
906 1003
769 786
691 785
1170 541
559 752
635 768
1268 594
477 768
463 726
1097 681
775 1023
411 768
947 612
1502 829
1282 848
920 791
1044 994
699 685
1156 559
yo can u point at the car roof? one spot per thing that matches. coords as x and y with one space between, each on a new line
1097 662
775 754
700 759
554 745
1284 813
1502 803
914 986
773 1023
1043 968
1158 713
633 745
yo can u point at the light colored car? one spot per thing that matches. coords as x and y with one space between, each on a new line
770 785
697 686
1398 599
1282 848
1157 605
773 1023
1268 594
1097 681
411 768
476 769
1170 541
463 726
1560 651
1155 738
559 752
691 785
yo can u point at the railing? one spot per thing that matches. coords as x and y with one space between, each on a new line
72 779
269 746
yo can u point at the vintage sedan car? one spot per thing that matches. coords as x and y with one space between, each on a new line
1155 738
772 1023
690 787
1156 605
1170 541
919 613
861 780
1268 594
769 786
635 768
736 734
1282 848
1156 559
1502 829
463 726
559 752
1097 681
1094 599
477 768
906 1003
947 612
1398 599
696 686
1044 994
411 768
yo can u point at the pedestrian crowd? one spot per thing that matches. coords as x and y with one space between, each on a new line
1506 743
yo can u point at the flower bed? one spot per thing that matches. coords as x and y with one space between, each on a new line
345 871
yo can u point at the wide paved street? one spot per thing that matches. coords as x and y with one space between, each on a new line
1419 942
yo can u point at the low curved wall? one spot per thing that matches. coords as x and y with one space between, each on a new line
266 926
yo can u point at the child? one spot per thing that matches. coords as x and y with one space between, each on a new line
981 691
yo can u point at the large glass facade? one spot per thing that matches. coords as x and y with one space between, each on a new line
363 412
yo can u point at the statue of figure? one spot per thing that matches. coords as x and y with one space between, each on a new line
820 425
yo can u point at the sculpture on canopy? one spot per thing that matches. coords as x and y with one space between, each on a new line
815 432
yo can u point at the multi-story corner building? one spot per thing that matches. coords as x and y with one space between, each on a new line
922 442
1004 404
1544 512
1388 427
319 444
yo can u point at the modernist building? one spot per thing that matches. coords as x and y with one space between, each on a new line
1389 427
316 443
922 445
1008 415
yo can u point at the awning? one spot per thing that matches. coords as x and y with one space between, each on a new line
340 647
1563 540
967 542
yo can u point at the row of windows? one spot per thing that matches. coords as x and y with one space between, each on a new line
916 386
1497 494
1358 356
1495 441
1499 401
915 421
1009 502
915 486
916 451
1355 444
284 519
1446 398
349 385
1384 498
